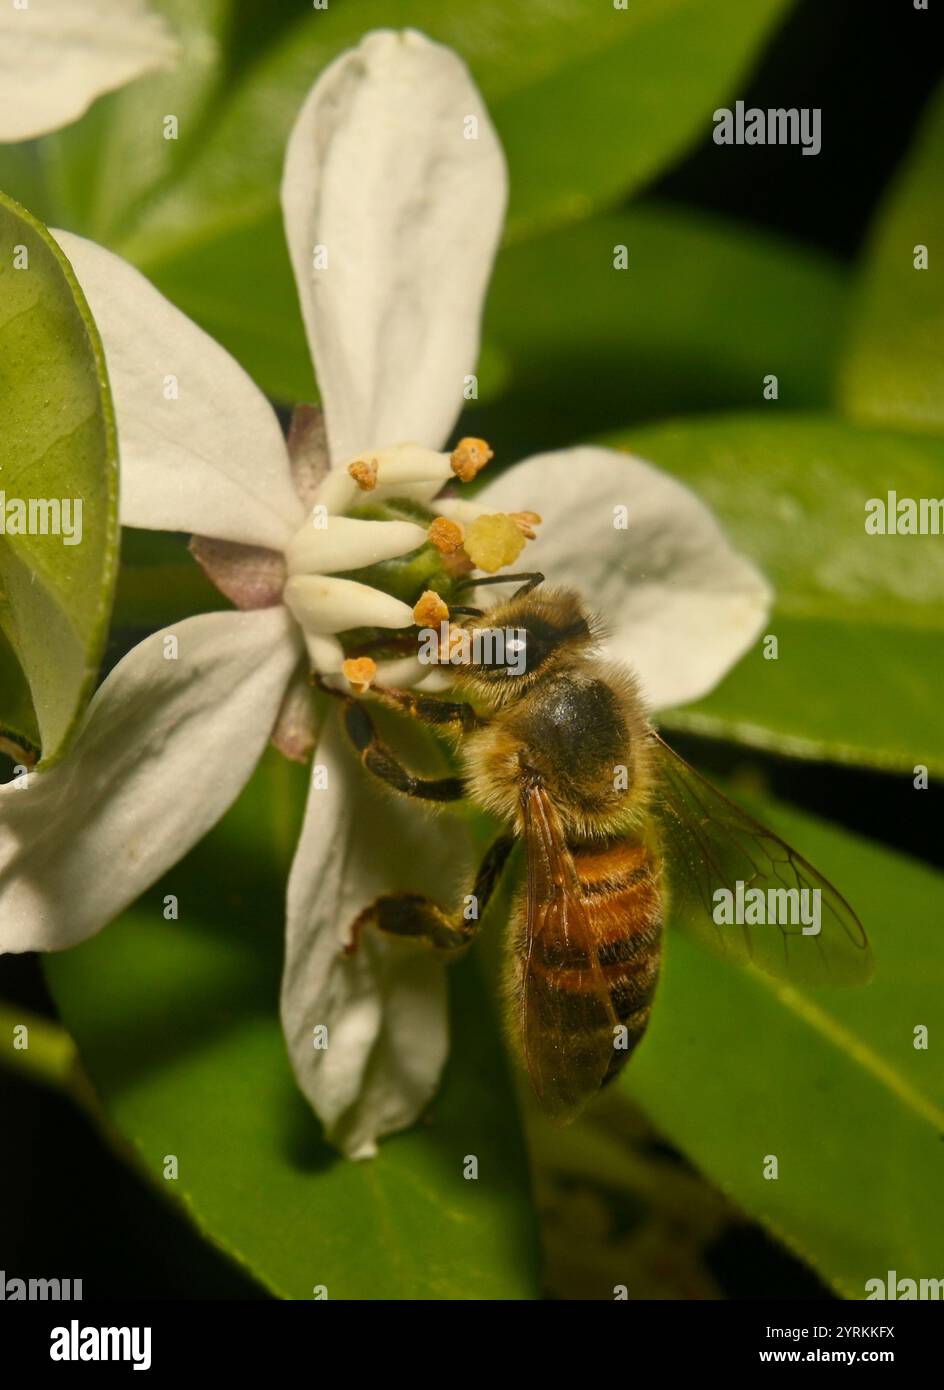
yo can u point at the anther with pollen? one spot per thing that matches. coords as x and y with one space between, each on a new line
445 535
430 610
360 672
469 457
364 473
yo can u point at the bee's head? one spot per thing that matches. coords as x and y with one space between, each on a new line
506 649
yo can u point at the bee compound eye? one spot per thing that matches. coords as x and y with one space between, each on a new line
516 653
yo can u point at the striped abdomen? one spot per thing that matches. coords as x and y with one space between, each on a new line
585 970
622 892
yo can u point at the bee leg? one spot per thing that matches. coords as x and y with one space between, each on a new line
412 916
378 760
428 710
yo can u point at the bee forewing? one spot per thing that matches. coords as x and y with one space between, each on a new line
566 1017
711 845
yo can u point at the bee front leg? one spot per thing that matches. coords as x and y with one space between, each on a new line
380 761
411 916
428 709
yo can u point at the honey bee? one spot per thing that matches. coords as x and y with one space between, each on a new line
620 835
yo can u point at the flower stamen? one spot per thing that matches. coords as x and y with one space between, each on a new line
430 610
493 541
364 473
526 522
445 535
469 457
360 672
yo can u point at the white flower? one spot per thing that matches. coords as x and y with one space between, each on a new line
57 56
380 176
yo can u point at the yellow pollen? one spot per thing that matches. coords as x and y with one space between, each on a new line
430 610
360 672
364 473
445 535
526 522
469 457
493 541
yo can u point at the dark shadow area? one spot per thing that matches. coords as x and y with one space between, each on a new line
748 1263
72 1209
870 68
881 806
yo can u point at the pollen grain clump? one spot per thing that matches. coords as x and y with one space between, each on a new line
526 522
445 535
469 457
360 672
430 610
493 541
364 473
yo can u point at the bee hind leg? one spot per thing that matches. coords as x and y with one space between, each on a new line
417 918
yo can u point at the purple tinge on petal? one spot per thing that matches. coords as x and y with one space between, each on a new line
296 728
308 451
251 576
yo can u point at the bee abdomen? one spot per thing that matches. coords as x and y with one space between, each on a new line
623 902
623 896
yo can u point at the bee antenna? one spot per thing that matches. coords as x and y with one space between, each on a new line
531 582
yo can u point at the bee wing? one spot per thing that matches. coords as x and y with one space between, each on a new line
712 844
566 1015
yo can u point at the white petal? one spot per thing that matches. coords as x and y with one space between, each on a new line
681 605
385 1005
213 460
326 605
166 746
57 56
325 654
403 672
380 173
401 470
462 509
347 544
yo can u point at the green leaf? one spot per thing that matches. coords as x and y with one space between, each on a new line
610 120
703 311
737 1066
255 316
859 618
200 214
101 171
17 716
57 446
49 1054
893 373
159 582
177 1024
644 81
